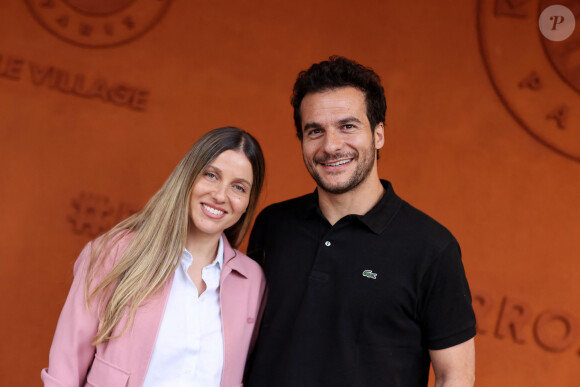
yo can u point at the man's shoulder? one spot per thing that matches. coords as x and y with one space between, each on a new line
277 220
290 207
423 225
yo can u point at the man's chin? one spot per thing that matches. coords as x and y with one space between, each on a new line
333 183
334 187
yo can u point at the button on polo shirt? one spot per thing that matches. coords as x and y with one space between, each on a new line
351 304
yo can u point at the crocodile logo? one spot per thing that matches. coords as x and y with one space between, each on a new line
369 274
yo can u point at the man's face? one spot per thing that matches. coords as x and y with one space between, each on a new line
338 146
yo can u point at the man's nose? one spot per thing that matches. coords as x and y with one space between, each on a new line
332 142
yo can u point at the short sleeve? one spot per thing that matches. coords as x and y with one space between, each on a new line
447 316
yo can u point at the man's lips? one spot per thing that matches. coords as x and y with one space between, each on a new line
336 163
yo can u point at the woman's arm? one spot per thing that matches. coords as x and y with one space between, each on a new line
72 353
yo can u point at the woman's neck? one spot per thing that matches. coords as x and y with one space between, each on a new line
203 247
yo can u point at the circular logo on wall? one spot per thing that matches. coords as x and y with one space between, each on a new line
531 51
98 23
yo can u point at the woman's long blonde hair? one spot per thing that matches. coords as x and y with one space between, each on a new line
159 231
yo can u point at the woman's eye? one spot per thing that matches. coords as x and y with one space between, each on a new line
210 175
240 188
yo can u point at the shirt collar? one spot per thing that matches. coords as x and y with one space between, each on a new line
312 207
376 219
379 217
230 261
187 258
219 258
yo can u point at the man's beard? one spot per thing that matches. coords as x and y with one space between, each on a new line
363 169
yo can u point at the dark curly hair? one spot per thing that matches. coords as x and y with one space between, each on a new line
336 72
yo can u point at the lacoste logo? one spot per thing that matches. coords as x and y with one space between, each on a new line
369 274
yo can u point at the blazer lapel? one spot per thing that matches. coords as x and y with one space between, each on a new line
145 331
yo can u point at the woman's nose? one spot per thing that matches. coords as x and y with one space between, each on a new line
219 192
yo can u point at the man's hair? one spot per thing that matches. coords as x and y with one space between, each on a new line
337 72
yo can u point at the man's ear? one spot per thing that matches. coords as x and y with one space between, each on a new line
379 135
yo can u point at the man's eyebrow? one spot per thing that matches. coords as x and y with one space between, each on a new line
348 120
343 121
311 125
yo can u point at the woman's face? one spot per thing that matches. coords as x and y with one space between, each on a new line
221 193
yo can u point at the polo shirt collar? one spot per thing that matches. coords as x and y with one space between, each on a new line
378 217
312 208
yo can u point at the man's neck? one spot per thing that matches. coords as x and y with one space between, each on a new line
357 201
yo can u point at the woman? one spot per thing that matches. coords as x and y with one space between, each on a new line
163 299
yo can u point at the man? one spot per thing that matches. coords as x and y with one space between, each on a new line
364 289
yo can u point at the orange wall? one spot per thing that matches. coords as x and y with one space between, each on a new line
498 173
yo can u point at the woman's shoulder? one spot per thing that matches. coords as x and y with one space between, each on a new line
243 257
251 266
105 249
112 244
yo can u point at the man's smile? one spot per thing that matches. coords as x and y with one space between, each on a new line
337 163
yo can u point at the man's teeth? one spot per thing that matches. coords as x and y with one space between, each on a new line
338 163
213 210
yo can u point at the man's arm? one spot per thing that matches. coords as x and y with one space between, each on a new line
454 366
255 248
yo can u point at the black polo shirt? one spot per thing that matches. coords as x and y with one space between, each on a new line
358 303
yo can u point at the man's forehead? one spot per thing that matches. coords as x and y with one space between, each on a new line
351 91
334 106
333 101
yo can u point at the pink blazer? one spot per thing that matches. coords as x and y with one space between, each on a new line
123 362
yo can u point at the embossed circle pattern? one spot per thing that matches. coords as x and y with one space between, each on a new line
98 23
537 80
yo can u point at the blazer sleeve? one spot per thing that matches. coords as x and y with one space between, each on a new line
72 353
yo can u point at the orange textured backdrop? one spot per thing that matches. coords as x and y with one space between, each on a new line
88 134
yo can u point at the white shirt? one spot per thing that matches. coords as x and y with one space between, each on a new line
189 350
